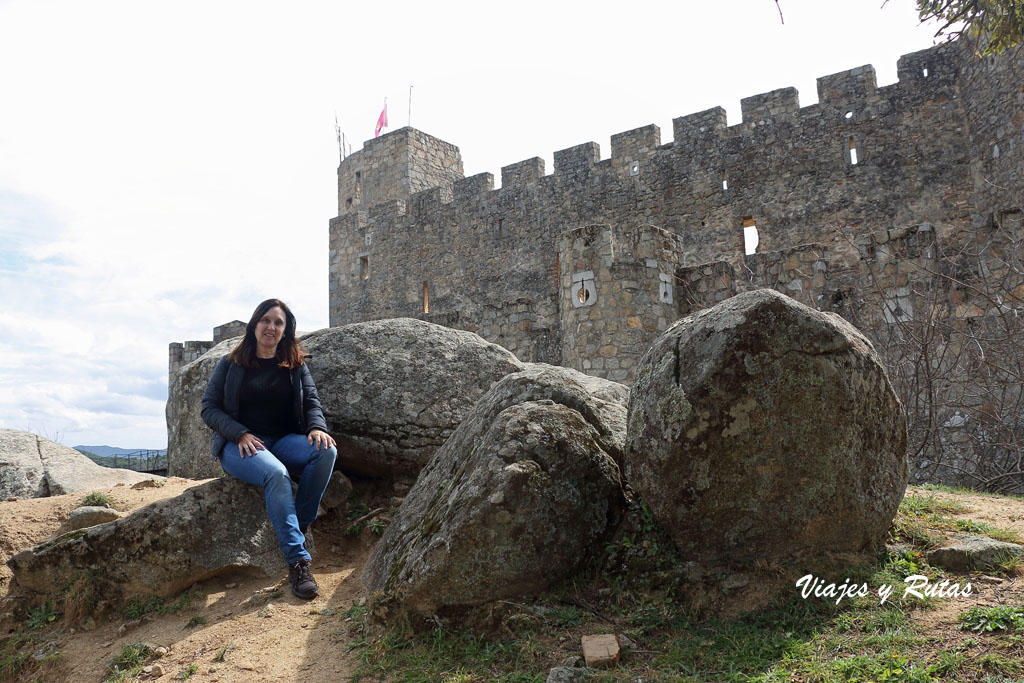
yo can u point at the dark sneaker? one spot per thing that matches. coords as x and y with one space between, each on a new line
302 581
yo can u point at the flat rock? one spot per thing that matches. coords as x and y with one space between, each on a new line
514 501
91 515
761 428
34 467
392 392
970 552
160 549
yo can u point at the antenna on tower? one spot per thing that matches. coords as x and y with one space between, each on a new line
341 138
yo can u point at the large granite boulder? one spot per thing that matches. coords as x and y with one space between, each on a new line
160 549
760 428
392 391
514 501
34 467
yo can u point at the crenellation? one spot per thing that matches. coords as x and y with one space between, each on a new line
766 107
473 187
853 86
522 173
578 160
637 144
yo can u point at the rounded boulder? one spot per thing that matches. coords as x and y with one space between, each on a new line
760 428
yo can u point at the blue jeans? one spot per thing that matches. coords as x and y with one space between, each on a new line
287 457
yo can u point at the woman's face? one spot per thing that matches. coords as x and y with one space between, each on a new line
269 331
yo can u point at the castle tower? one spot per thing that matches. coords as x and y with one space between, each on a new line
395 166
617 293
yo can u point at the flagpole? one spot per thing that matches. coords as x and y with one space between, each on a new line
410 105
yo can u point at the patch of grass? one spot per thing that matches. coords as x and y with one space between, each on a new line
986 529
128 663
219 657
96 499
443 656
987 619
197 620
186 672
137 607
914 504
961 490
15 652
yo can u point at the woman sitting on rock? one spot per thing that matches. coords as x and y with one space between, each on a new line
268 428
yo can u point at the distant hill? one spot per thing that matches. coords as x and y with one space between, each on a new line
107 451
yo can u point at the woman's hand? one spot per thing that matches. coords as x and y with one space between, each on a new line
248 444
320 439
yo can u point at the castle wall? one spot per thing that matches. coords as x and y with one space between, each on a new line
814 181
993 93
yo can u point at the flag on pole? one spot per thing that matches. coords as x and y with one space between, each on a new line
382 120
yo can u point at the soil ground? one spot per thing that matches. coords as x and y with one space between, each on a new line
270 635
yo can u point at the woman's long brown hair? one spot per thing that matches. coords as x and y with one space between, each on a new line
289 350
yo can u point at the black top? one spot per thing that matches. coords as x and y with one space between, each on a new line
265 400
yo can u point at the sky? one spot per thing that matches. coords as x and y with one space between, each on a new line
164 167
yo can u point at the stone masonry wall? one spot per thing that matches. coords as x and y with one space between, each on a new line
862 161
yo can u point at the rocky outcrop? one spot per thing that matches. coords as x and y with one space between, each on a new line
34 467
392 391
160 549
760 428
971 552
513 502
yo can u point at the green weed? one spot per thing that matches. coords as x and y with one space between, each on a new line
986 619
45 614
128 662
197 620
96 499
153 604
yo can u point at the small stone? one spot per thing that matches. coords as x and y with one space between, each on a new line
157 671
160 651
626 644
570 661
566 674
147 670
362 602
229 586
601 651
246 666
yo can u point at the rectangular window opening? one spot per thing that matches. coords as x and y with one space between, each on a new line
426 297
348 202
725 180
364 267
924 72
853 152
750 237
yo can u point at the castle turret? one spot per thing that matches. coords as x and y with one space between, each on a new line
395 166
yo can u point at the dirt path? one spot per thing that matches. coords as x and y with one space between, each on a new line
253 624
